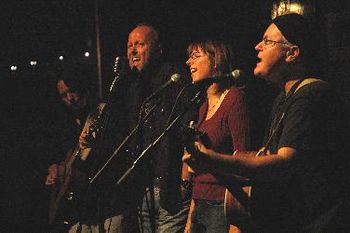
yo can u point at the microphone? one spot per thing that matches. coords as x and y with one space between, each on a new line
173 79
236 78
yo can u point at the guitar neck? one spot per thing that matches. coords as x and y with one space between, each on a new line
72 156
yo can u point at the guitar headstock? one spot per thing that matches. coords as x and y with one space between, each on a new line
119 69
121 64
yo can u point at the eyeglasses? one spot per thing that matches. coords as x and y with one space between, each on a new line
266 43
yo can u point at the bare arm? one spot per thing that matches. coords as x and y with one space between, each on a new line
269 167
188 223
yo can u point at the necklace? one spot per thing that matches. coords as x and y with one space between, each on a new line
222 96
212 107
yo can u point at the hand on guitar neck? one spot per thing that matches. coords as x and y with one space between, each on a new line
93 127
87 137
194 140
86 140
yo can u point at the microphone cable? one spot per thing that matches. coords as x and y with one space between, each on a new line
176 102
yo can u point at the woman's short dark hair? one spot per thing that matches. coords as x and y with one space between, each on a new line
220 54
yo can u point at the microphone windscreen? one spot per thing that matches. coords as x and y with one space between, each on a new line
175 77
237 73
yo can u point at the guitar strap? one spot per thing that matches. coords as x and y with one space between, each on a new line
277 122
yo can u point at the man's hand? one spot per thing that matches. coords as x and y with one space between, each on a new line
52 175
84 141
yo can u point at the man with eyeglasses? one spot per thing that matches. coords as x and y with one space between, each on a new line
299 176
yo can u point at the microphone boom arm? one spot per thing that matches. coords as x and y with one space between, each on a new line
125 140
195 100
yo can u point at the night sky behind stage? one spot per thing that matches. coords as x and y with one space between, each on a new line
41 31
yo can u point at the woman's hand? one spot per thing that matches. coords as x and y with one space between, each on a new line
198 160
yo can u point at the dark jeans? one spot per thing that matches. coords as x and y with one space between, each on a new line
155 219
209 217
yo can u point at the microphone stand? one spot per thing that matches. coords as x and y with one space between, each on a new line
195 100
126 139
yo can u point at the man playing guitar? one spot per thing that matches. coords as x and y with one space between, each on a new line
70 118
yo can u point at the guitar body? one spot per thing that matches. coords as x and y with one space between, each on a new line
68 194
236 207
237 203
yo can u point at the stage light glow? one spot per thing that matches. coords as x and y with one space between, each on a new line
86 54
297 8
282 7
33 63
60 57
13 68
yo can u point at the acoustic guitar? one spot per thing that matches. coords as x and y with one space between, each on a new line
65 196
69 193
71 184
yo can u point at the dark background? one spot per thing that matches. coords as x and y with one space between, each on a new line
43 30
